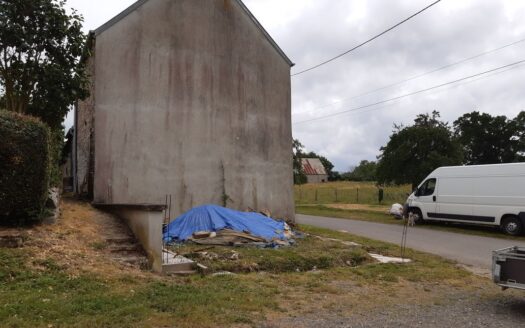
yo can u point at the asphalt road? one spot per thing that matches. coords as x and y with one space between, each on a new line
475 251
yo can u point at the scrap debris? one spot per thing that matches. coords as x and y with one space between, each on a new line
396 210
219 226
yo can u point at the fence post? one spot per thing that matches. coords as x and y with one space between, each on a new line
357 195
316 195
336 196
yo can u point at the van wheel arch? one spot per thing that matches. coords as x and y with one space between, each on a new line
512 224
417 211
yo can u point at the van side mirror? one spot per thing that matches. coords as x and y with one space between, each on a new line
416 192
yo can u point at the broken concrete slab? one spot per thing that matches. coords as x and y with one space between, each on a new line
387 259
344 242
176 264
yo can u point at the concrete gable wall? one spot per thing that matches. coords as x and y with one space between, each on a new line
193 101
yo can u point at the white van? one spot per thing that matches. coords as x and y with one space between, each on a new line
482 194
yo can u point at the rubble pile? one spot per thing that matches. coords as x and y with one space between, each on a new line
219 226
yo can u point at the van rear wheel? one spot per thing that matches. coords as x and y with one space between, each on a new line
512 226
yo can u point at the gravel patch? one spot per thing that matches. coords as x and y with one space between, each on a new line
465 309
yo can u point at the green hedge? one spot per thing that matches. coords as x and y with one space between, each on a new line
24 167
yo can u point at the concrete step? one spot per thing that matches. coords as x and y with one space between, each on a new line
121 240
138 260
182 273
11 240
179 267
125 248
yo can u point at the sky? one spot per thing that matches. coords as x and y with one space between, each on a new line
312 31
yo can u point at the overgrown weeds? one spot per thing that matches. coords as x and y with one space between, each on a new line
307 254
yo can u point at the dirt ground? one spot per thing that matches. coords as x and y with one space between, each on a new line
459 310
78 241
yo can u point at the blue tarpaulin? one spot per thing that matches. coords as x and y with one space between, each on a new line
216 218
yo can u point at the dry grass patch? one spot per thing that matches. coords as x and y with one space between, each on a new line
64 277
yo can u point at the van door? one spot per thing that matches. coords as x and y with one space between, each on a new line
454 201
426 197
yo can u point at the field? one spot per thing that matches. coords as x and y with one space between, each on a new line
349 192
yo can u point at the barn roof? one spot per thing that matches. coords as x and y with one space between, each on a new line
139 3
313 166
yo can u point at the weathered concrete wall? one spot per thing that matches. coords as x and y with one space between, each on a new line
193 101
147 227
84 129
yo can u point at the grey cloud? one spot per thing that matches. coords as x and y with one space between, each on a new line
311 31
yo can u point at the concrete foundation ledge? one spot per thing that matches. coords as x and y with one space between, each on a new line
145 221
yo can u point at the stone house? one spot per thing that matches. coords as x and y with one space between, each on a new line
189 98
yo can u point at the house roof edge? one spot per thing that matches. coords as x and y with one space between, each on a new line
139 3
266 34
119 17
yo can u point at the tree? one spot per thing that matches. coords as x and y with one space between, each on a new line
490 139
520 126
415 151
298 174
365 171
40 50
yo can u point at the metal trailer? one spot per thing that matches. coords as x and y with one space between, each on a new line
508 267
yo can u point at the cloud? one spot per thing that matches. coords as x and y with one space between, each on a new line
448 32
311 31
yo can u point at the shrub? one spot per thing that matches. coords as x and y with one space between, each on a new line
24 167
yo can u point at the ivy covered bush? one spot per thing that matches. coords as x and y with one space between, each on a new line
24 167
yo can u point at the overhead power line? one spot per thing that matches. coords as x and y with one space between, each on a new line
412 93
367 41
450 86
423 74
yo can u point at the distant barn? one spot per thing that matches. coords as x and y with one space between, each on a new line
314 170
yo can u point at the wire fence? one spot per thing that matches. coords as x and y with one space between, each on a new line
357 195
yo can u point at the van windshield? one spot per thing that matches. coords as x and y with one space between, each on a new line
427 189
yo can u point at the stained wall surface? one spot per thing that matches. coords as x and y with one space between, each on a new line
84 138
192 100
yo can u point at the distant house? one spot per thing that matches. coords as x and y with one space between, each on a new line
314 170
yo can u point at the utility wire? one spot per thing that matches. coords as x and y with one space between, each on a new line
367 41
412 93
422 74
451 86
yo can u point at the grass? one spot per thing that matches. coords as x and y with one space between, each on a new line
307 254
348 192
424 268
49 296
43 293
375 216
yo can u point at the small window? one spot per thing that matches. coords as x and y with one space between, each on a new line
427 189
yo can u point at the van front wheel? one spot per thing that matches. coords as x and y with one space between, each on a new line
512 226
418 216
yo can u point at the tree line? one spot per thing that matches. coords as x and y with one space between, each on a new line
415 150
